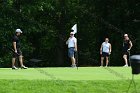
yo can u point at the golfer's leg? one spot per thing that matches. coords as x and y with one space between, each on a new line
13 62
102 59
106 61
125 59
73 60
21 60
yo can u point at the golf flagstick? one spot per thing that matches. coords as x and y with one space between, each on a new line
74 28
76 56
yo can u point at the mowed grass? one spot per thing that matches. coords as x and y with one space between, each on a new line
68 80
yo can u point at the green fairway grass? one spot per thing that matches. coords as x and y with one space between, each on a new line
68 80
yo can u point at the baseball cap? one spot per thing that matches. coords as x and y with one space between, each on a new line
18 30
125 35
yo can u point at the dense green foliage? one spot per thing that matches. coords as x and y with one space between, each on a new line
47 23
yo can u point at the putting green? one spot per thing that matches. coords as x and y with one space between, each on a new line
67 73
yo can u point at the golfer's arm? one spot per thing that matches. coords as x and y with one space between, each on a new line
101 49
66 42
110 48
14 45
75 46
130 45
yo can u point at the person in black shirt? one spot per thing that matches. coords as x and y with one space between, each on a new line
16 48
127 45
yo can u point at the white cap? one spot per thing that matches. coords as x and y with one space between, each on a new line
18 30
125 35
72 33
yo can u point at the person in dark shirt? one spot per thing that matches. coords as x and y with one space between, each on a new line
16 50
127 45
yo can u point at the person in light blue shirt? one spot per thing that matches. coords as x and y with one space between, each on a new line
105 51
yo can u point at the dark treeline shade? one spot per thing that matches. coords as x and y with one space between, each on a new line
46 25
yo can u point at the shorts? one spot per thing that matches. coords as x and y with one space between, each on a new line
19 53
71 52
104 54
125 53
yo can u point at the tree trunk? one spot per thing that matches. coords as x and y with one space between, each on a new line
16 5
61 32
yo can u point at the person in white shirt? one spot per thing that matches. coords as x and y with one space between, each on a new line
72 47
105 51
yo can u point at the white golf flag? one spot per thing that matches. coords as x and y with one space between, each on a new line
74 28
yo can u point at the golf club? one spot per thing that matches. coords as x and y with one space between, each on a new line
33 61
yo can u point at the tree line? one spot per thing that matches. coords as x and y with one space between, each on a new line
46 25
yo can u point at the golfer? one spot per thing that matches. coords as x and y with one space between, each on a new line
16 50
105 51
72 47
127 45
